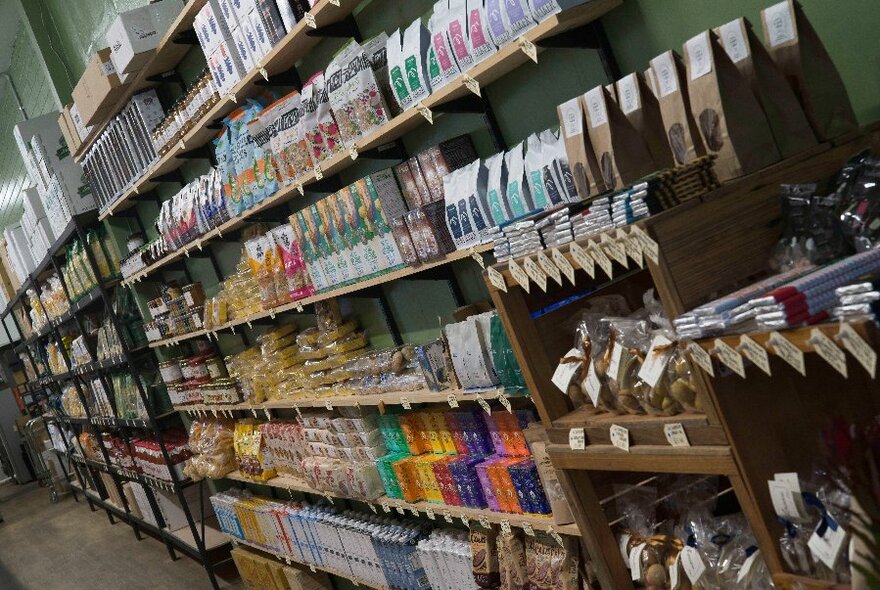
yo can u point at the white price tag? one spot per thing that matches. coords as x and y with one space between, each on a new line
505 526
429 512
535 273
426 113
692 563
527 529
755 353
655 361
860 349
592 385
405 403
452 400
505 403
701 358
563 264
353 152
373 508
635 561
615 249
310 20
386 508
619 437
478 258
549 269
485 405
519 275
447 516
633 247
577 439
471 84
529 49
400 510
484 522
497 279
828 546
730 357
790 353
319 174
676 435
584 260
601 259
328 404
564 373
828 350
650 248
465 520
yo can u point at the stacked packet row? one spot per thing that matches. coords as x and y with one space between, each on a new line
856 302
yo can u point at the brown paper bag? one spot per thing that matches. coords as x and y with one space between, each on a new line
788 122
622 153
581 158
649 78
803 59
730 120
675 107
640 106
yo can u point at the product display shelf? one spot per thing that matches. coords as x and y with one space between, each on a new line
169 52
504 61
391 398
709 245
283 56
338 292
803 338
438 512
290 559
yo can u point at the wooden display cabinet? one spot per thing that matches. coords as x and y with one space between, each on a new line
708 246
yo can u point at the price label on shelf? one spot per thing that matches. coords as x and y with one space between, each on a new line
675 434
505 403
312 567
484 521
465 520
400 510
505 526
264 74
828 350
310 20
692 563
527 529
329 405
426 113
563 264
619 437
730 357
353 152
701 357
535 273
405 403
373 508
319 174
471 84
601 259
497 279
633 247
577 439
650 249
414 510
556 536
755 353
334 2
484 404
452 400
860 349
429 512
550 269
300 189
615 249
447 516
583 259
529 49
788 352
385 507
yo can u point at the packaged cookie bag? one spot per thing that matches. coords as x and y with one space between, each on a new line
354 93
788 122
730 120
672 94
320 129
800 54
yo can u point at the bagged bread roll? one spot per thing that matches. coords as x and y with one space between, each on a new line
675 108
803 59
731 121
788 122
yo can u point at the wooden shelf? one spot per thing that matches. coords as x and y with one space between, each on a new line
801 337
338 292
288 559
504 61
213 537
165 57
646 458
795 582
461 513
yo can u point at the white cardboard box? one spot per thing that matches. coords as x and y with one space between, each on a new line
240 39
135 33
82 129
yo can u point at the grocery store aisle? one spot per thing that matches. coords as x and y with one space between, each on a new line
67 546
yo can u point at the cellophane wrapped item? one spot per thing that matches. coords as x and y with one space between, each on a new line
249 451
211 442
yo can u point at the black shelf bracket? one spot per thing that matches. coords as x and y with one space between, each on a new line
471 103
215 125
175 176
376 292
389 151
589 36
187 37
286 78
138 198
200 153
169 77
347 28
328 184
279 212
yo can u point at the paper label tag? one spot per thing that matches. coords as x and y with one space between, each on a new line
563 264
619 437
778 21
564 373
788 352
400 510
485 405
615 249
328 404
595 102
701 357
692 563
310 20
529 49
429 512
478 258
484 522
572 118
785 502
497 279
675 434
505 526
628 93
730 357
405 403
633 246
601 259
665 74
747 566
550 269
527 529
584 260
650 248
828 350
734 40
453 401
755 353
465 520
471 84
519 275
635 561
856 345
535 273
426 113
614 364
353 152
828 547
505 403
592 385
386 507
655 361
447 516
699 55
577 439
673 573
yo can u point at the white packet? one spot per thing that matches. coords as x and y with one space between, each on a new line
442 66
457 30
554 175
499 27
416 40
480 40
517 193
496 181
396 71
519 16
458 218
535 172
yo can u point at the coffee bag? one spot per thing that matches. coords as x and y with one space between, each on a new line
416 40
442 66
796 48
788 122
519 198
681 129
731 122
640 106
581 158
479 38
496 182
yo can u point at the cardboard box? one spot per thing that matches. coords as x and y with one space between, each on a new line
134 34
68 130
9 271
82 129
99 89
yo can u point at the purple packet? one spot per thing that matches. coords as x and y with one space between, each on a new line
486 485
